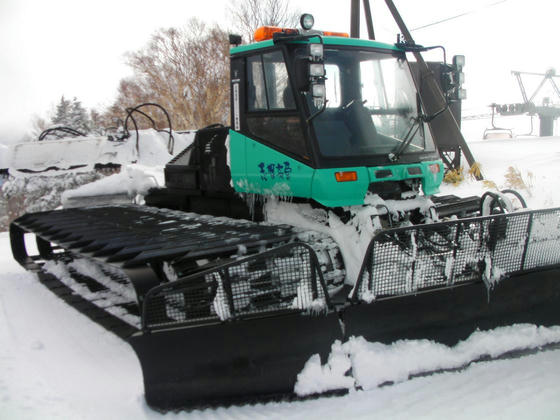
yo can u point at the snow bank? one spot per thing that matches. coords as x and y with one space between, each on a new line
359 364
536 160
4 156
40 193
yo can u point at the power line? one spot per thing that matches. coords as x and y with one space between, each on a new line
459 15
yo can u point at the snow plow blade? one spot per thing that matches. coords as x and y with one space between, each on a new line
238 333
443 281
440 281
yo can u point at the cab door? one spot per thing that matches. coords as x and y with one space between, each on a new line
277 155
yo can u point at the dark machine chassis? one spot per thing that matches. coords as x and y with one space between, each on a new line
190 357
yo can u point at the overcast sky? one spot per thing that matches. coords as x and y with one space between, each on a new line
75 48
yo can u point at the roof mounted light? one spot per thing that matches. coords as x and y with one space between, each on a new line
331 33
307 21
269 32
235 39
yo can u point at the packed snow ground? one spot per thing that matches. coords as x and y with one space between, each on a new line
55 363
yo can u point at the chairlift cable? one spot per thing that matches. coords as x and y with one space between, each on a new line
458 16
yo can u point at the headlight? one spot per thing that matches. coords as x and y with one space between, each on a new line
306 20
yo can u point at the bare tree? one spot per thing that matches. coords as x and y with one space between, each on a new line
38 125
184 70
248 15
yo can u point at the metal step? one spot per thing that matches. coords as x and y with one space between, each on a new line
449 205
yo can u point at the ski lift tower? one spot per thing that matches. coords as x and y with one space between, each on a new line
547 112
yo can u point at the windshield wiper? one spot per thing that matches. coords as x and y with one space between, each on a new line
416 124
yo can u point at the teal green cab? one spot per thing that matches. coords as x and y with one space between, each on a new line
258 169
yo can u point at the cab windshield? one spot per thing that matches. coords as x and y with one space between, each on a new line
372 106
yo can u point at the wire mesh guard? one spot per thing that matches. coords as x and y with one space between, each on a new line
285 278
407 260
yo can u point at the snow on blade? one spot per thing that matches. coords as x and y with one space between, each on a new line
364 365
316 378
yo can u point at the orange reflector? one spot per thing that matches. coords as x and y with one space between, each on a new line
434 168
266 32
342 34
346 176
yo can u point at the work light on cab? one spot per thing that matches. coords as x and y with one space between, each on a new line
316 52
316 70
306 21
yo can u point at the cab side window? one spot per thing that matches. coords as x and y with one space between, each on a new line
269 87
256 92
271 108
